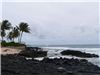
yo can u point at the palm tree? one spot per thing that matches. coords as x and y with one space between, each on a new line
13 34
10 36
19 33
5 25
3 34
23 27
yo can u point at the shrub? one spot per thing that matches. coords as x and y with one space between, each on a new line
4 44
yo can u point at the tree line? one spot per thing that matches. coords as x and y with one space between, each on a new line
13 32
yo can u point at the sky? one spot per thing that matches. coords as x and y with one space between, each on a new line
50 0
56 23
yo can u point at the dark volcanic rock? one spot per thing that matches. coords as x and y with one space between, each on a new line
33 48
18 65
33 52
61 69
78 54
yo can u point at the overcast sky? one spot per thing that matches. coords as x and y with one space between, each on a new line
56 22
50 0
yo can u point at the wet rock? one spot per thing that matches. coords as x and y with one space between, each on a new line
78 54
61 69
70 73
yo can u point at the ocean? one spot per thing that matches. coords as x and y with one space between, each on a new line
70 45
54 51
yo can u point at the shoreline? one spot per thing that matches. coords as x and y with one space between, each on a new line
14 64
56 50
52 53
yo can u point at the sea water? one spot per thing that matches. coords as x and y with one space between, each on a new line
54 51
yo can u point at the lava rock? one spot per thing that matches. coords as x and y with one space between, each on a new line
33 52
78 54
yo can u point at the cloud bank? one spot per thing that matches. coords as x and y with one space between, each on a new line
56 22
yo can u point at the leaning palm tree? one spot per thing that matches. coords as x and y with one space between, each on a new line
5 25
18 33
23 27
13 34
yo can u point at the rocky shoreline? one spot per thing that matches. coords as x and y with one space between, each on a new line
19 65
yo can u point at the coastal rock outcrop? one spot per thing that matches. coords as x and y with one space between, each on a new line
78 54
33 52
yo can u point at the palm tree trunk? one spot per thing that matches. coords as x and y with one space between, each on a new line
2 38
19 39
21 36
13 39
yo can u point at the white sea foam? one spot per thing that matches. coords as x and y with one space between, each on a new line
54 52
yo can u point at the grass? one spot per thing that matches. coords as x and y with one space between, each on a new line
5 44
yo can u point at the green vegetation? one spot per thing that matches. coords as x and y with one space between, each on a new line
13 33
4 44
